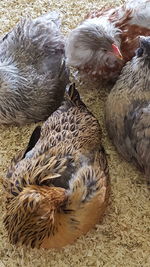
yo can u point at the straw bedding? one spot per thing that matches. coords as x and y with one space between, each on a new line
122 239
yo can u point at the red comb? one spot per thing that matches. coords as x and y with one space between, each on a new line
117 51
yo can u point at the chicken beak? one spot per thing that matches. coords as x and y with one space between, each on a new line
117 52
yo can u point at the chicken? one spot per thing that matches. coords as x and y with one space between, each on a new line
101 45
128 109
58 187
33 75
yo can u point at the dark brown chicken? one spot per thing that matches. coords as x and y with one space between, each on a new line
107 39
57 188
128 109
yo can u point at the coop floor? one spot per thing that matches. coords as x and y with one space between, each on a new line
122 239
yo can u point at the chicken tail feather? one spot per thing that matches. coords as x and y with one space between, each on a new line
73 95
30 216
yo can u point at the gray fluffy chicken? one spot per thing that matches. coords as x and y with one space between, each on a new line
33 75
128 109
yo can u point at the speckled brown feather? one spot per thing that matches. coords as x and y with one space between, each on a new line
129 34
58 190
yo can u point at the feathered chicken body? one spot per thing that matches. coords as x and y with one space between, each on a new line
57 188
128 109
107 39
33 75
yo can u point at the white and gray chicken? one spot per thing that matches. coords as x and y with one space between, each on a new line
101 45
33 74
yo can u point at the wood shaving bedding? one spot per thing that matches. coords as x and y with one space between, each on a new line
122 239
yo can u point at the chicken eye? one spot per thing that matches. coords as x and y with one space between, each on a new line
139 52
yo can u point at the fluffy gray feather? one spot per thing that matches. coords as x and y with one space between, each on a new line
33 75
128 109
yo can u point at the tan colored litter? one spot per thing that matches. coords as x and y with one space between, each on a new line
123 238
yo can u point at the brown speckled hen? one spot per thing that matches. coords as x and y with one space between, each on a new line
107 39
57 188
128 110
